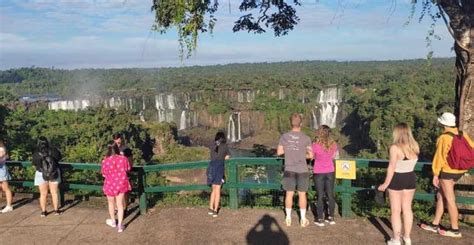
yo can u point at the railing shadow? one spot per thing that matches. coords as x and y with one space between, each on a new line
22 202
379 224
262 232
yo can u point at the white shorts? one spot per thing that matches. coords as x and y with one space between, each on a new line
39 179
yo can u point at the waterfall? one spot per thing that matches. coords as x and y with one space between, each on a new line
160 107
70 105
239 132
329 100
240 97
143 103
231 129
281 94
234 131
314 120
171 101
182 121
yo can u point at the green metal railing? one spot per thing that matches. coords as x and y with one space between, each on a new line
141 189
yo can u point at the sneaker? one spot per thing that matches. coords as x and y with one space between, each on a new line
450 233
57 212
304 222
7 209
210 212
330 220
111 223
393 242
288 221
406 241
214 214
43 214
319 222
430 227
120 228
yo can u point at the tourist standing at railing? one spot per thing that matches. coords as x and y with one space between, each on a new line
48 175
444 178
4 178
401 181
116 183
296 146
215 171
325 150
127 152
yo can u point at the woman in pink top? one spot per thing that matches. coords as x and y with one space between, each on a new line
325 150
116 184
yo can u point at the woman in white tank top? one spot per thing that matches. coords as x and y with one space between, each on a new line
401 181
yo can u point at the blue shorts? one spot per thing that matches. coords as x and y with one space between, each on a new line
39 179
215 173
4 174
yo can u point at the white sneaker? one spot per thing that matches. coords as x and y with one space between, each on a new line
111 222
393 242
406 241
7 209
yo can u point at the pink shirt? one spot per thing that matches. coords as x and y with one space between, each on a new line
114 170
323 158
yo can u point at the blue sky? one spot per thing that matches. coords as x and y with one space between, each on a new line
116 33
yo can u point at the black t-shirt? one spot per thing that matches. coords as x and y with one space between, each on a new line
124 150
37 158
222 151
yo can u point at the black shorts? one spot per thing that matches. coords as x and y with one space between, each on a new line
295 181
448 176
403 181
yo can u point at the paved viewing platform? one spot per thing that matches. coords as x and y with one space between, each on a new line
82 224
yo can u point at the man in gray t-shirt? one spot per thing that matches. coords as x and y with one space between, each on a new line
296 147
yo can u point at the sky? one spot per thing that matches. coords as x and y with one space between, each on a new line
73 34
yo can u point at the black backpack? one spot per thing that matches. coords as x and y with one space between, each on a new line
49 167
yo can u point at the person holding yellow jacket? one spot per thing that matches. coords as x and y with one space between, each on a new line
444 178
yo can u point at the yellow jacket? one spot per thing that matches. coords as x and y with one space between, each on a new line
443 145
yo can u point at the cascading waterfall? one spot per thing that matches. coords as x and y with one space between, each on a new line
315 124
71 105
234 133
182 121
329 100
160 107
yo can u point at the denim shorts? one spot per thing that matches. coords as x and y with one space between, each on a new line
39 179
4 174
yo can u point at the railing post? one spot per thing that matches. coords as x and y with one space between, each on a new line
233 199
143 203
346 198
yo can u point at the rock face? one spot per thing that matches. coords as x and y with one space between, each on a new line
233 110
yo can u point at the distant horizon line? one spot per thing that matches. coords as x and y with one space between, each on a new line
223 64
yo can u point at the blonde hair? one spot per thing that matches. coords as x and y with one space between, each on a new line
296 119
403 138
324 137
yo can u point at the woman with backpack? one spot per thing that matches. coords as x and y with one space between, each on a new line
445 177
215 171
48 175
4 178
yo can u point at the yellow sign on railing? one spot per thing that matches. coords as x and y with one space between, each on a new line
346 169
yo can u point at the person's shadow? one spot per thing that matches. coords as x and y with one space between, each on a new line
262 232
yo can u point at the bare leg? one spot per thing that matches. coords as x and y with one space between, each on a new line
396 209
43 188
211 199
111 205
8 193
407 199
53 188
119 203
289 199
217 197
439 207
448 189
302 201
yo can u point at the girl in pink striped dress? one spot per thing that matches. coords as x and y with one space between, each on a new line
116 183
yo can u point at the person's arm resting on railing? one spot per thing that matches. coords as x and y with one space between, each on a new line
280 151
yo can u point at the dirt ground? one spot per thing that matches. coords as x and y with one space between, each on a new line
82 224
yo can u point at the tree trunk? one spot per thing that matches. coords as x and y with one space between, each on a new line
461 27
